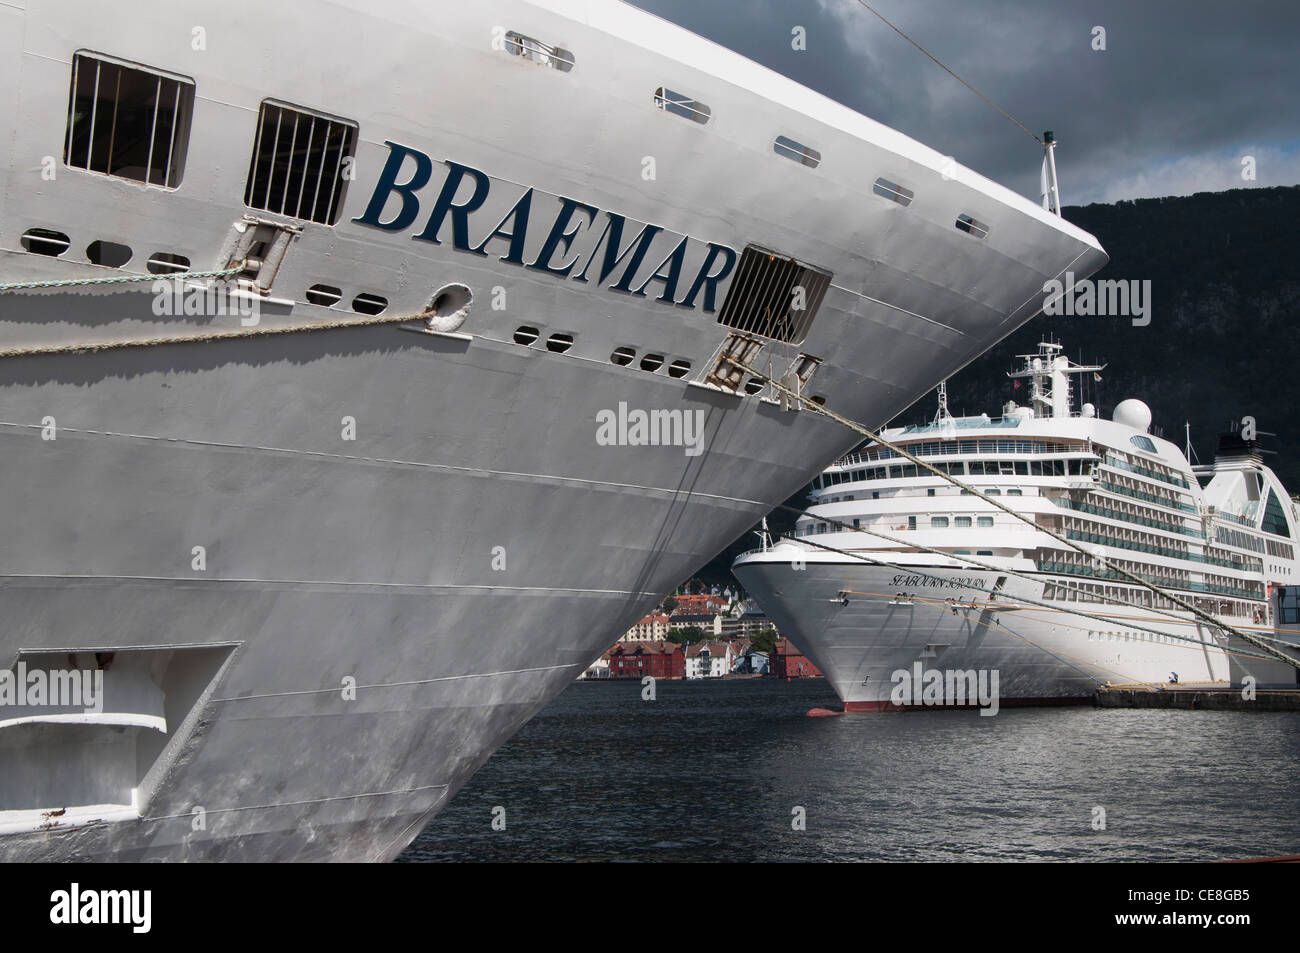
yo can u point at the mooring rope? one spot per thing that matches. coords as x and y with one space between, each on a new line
84 347
952 74
120 279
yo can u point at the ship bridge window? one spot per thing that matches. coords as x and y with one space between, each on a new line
301 163
971 227
939 522
682 105
984 521
535 51
961 522
1142 443
130 122
894 192
784 146
774 296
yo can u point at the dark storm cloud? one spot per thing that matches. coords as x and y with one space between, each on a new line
1184 89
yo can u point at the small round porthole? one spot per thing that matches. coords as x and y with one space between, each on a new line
525 335
324 295
623 356
679 368
369 304
45 241
559 342
652 362
108 254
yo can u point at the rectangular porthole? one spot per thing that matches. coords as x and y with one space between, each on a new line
299 162
774 296
894 192
797 151
535 51
971 227
682 105
128 121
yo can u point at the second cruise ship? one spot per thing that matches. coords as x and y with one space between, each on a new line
894 566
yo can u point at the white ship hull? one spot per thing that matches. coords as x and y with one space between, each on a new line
342 565
890 620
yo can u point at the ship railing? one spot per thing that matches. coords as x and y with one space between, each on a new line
964 448
1146 497
1069 569
1106 512
1104 540
1173 480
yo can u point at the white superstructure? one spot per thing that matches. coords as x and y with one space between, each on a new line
874 579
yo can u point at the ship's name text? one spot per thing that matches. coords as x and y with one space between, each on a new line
548 233
931 582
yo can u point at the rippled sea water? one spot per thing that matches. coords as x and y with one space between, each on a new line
711 771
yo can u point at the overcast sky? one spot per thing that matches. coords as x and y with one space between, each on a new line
1183 90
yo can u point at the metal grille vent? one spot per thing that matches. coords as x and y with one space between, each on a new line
774 296
128 122
300 161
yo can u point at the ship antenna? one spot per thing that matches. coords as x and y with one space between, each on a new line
1047 180
942 414
1190 452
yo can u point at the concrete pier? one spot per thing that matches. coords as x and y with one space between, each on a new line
1216 699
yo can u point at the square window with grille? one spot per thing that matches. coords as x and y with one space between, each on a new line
301 163
774 296
128 121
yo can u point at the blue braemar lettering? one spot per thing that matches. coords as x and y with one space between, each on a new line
707 281
517 231
613 257
560 237
670 280
513 229
388 184
459 213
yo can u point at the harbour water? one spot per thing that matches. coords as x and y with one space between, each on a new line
712 771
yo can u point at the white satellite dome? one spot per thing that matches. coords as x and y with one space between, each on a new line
1089 410
1133 413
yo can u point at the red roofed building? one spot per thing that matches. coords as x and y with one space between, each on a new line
639 659
700 604
789 662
